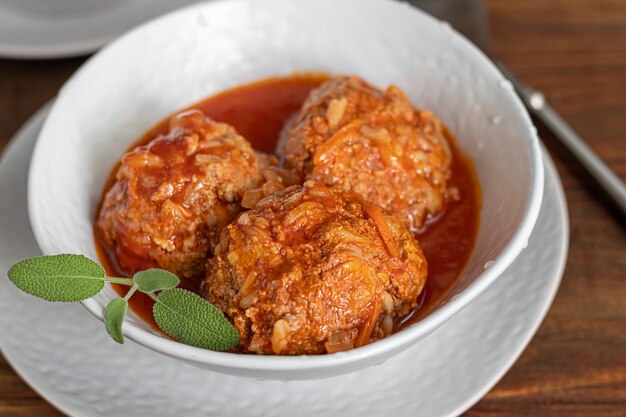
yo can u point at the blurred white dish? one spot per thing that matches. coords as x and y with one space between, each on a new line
57 8
185 56
434 378
37 29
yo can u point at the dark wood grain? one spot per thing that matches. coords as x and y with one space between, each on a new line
25 86
575 51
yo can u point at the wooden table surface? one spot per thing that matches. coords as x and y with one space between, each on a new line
574 51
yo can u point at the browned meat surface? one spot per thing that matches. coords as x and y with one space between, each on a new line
355 137
173 196
274 178
311 271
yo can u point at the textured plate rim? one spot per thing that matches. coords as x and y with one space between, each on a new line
37 118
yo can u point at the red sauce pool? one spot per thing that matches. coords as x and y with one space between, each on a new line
258 111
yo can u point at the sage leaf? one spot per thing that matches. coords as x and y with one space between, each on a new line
58 277
190 319
114 314
152 280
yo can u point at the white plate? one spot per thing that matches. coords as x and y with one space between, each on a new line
64 353
27 34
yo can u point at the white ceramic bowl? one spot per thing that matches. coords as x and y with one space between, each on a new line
190 54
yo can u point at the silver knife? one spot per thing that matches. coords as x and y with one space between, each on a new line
469 17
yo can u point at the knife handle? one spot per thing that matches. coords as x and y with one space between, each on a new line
537 104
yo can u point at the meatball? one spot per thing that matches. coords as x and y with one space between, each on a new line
309 271
355 137
172 197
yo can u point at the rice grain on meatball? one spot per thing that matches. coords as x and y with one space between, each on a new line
311 271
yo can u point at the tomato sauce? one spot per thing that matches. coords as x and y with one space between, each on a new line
259 111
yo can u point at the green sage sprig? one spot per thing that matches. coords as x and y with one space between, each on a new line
179 313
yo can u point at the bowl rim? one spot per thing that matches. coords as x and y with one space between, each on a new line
396 341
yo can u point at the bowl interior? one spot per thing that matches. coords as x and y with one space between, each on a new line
177 60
